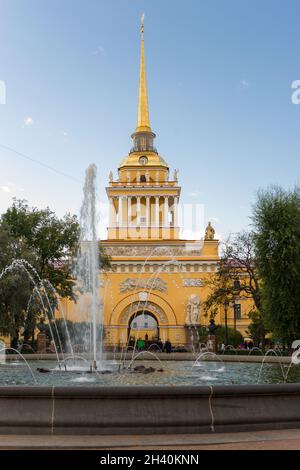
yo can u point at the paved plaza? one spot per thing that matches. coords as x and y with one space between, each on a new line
259 440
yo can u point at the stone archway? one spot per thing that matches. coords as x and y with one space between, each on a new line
145 306
153 303
117 326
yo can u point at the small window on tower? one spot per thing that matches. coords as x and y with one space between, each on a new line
143 160
143 143
143 179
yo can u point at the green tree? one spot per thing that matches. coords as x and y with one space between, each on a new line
15 288
54 242
236 274
257 329
50 245
234 337
276 219
237 277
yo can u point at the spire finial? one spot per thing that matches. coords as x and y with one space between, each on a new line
142 22
143 124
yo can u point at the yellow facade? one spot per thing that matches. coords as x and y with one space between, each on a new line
153 270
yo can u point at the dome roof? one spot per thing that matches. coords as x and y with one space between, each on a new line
133 159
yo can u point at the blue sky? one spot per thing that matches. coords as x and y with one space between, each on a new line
219 80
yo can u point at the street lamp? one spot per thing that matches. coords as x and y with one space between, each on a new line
236 309
226 303
235 303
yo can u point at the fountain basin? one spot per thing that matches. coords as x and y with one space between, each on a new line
168 373
148 410
188 356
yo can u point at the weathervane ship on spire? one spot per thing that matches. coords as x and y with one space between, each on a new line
142 22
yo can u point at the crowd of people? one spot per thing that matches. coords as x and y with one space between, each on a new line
247 344
144 344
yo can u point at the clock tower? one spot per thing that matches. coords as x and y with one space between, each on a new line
143 201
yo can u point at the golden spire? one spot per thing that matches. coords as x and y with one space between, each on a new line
143 124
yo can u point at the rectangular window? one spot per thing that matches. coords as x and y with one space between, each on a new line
238 311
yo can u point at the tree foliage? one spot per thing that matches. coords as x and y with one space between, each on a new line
277 242
237 274
49 244
234 337
53 242
257 329
237 277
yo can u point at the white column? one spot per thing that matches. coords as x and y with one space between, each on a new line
138 209
129 211
157 211
112 213
147 211
166 211
120 211
175 211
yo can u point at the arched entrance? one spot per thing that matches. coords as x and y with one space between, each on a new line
143 324
134 303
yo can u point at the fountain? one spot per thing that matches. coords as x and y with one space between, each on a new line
190 382
2 348
87 266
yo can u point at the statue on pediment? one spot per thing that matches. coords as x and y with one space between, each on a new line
209 232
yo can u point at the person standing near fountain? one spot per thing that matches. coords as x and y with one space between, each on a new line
140 344
211 339
41 337
168 346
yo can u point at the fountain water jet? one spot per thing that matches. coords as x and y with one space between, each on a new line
33 276
87 263
22 357
206 354
271 351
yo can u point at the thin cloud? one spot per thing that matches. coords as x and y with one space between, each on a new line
5 189
28 121
11 188
194 193
99 51
244 84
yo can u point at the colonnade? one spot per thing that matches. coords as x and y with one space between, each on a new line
120 211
